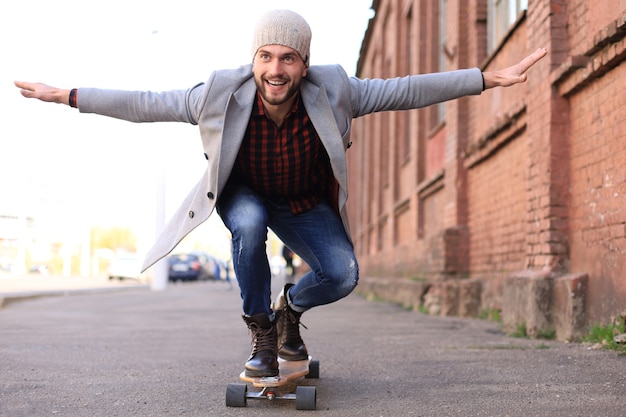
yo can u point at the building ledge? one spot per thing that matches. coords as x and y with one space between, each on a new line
607 51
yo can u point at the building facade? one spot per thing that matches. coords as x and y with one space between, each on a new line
513 200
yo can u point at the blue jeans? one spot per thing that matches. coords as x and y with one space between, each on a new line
317 236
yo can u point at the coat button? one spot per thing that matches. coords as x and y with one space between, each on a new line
206 157
191 214
210 195
349 144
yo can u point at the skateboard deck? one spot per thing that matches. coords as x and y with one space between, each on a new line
305 396
288 371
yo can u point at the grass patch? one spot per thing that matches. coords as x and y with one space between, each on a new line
422 309
520 331
546 334
605 336
491 315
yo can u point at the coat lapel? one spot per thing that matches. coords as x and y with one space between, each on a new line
319 110
236 119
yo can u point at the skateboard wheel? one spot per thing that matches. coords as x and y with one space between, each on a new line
236 395
306 398
314 370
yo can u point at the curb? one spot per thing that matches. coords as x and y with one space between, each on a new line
10 298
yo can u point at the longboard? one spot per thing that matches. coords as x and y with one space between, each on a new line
305 396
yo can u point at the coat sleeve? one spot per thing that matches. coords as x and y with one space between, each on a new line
414 91
143 106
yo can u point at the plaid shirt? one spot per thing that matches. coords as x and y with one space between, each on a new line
287 162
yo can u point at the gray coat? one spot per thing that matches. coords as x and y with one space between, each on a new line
221 108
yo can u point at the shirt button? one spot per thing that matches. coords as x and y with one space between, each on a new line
206 157
210 195
191 214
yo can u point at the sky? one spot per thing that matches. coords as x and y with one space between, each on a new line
71 171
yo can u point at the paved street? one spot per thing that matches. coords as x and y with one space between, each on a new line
136 352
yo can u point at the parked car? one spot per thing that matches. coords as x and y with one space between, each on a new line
39 269
125 266
189 267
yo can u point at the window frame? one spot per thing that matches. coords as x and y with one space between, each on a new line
502 16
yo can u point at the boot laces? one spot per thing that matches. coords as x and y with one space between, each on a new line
263 339
292 327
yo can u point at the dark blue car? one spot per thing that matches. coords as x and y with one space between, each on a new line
189 267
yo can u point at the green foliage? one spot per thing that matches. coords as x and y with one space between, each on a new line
546 334
114 238
605 336
422 309
520 331
491 315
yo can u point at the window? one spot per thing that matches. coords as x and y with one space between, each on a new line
502 15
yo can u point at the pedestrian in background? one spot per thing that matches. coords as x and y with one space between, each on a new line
290 269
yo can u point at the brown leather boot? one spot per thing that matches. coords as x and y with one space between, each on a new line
291 347
263 359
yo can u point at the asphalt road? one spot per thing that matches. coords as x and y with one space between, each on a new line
137 352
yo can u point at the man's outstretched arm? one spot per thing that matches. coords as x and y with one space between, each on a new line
514 74
501 78
43 92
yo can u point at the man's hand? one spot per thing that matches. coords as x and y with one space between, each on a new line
43 92
514 74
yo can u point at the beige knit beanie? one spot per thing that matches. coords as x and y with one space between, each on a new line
283 27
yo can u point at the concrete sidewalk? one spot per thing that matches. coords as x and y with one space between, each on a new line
172 353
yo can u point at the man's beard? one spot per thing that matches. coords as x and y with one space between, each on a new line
276 100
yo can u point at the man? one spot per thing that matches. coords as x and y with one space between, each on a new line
275 134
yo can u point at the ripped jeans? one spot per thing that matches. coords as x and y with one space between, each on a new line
317 236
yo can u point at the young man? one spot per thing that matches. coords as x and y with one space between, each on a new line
274 135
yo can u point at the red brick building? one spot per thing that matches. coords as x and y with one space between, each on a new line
514 200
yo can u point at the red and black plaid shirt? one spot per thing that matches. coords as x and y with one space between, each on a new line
287 162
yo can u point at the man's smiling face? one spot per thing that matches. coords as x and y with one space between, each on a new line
278 71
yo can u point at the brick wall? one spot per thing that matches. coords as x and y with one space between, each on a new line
598 190
519 184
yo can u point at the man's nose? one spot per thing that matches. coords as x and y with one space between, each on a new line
276 67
